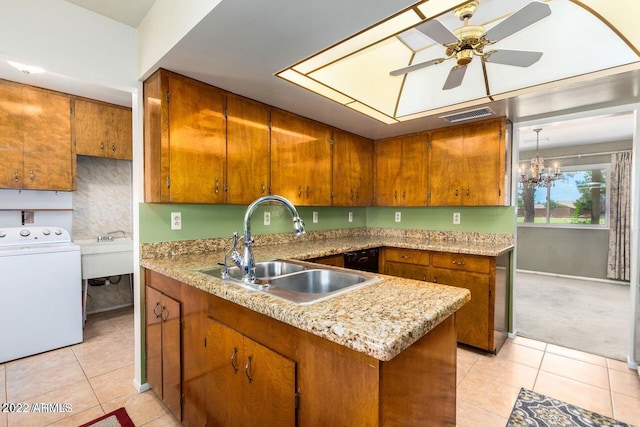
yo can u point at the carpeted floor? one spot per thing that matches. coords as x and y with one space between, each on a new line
537 410
583 315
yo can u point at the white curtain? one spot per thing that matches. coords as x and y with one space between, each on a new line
619 262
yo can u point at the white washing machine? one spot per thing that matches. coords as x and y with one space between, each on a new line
40 291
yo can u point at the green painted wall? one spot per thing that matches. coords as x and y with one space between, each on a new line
211 221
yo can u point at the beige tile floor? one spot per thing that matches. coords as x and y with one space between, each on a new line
96 377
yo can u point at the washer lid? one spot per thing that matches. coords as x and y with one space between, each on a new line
10 236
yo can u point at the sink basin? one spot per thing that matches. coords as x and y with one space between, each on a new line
317 281
106 258
310 286
264 270
296 282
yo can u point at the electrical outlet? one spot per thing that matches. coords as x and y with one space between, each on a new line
456 218
176 220
267 218
350 216
398 216
315 217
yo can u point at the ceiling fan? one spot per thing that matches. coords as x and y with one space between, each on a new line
469 40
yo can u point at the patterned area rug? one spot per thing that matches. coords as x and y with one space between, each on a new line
536 410
117 418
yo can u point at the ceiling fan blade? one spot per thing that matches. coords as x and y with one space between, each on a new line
410 68
438 32
530 14
455 77
517 58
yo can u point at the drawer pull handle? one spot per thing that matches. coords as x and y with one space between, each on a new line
405 256
458 262
233 359
15 175
217 189
113 147
165 313
32 176
247 369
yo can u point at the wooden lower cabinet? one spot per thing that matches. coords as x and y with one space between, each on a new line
299 378
407 263
248 384
482 322
163 348
333 260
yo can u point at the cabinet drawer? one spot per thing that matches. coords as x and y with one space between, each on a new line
481 264
408 256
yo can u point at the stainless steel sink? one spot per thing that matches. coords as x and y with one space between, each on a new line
264 270
298 283
315 285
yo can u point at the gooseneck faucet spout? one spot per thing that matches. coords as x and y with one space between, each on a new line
247 262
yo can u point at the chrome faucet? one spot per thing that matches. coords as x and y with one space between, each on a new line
246 262
109 236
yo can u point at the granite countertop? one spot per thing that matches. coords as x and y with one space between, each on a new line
379 320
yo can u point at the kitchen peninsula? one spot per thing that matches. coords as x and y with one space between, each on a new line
384 354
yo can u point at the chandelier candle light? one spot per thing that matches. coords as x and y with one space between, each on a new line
536 174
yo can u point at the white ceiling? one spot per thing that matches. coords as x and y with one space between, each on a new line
241 44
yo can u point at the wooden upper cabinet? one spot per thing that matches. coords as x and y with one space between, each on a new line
197 142
11 135
402 170
352 170
445 165
467 165
248 144
185 140
36 144
102 130
300 159
485 163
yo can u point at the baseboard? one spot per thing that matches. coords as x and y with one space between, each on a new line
141 387
567 276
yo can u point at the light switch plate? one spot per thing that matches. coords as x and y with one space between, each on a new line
398 216
176 220
267 218
456 218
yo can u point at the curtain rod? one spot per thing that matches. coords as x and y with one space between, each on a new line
577 156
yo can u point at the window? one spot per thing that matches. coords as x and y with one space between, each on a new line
579 199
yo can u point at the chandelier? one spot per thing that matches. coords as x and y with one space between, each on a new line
536 174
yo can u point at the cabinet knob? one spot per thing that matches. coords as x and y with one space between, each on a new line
247 369
456 191
16 176
467 191
102 146
32 176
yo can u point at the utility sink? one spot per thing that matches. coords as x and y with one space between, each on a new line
106 258
298 283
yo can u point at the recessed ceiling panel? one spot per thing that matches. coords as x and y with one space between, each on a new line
365 74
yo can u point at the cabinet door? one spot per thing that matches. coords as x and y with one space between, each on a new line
247 150
153 337
408 271
269 377
11 135
171 366
120 130
388 171
415 157
300 159
446 167
48 154
90 128
484 162
197 141
473 319
225 378
352 170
